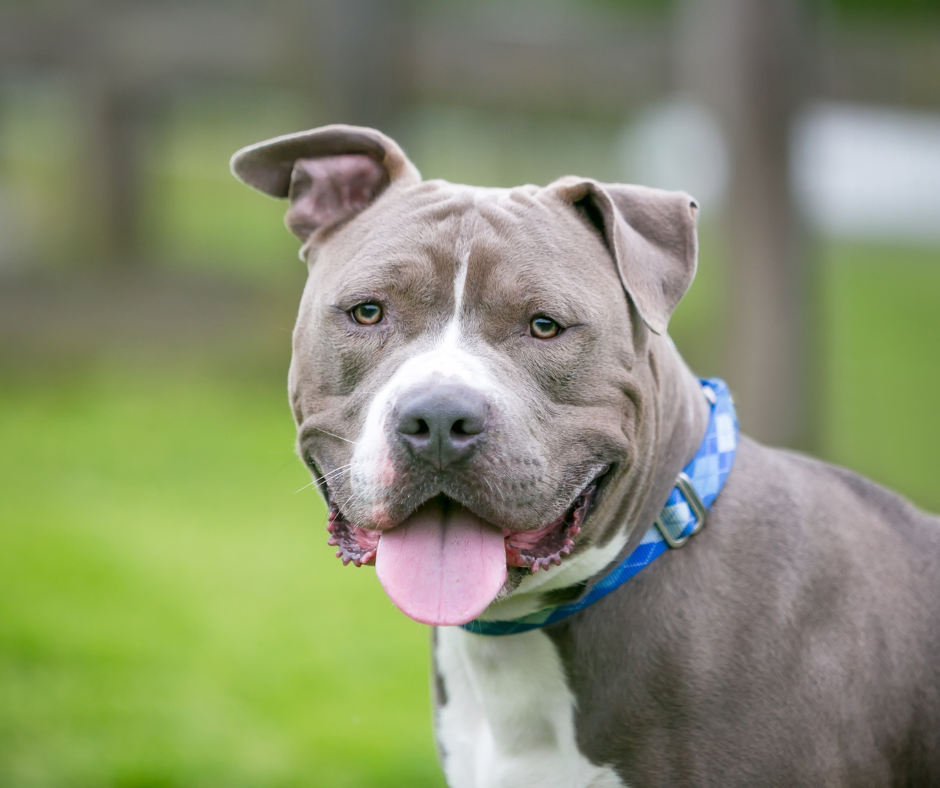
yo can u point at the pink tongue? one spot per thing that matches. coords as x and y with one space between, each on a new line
443 565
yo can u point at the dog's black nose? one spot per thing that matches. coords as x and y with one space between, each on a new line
442 423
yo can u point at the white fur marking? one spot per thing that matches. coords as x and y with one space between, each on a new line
452 332
446 360
509 717
575 569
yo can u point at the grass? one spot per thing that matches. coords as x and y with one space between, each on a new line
882 362
169 612
171 616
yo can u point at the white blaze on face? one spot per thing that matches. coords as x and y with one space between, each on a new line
451 336
371 472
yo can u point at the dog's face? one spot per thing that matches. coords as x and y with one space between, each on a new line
464 376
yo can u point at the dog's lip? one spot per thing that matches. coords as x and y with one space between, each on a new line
534 548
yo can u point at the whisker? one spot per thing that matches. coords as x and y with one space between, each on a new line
326 476
332 434
340 469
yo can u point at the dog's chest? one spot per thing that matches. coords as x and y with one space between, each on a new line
506 717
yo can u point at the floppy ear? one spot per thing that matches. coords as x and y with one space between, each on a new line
651 235
330 174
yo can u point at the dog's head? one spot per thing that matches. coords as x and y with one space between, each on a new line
470 377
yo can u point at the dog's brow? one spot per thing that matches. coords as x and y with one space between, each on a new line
410 276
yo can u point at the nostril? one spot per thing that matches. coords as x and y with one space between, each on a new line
467 427
470 426
415 426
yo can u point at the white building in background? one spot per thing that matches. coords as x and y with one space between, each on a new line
860 172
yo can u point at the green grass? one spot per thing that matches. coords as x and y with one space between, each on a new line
170 614
882 366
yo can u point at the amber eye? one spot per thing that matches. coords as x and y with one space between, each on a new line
368 314
542 327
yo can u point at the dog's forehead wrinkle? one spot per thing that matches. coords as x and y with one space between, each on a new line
528 266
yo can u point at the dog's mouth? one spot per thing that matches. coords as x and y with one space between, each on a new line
443 564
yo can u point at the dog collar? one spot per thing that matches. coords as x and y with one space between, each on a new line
684 514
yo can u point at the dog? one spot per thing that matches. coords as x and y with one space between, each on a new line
487 397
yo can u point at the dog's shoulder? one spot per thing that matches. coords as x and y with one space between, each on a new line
915 525
772 483
843 540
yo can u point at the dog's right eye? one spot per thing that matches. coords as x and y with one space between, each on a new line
367 314
542 327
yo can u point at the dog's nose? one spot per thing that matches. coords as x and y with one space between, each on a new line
442 423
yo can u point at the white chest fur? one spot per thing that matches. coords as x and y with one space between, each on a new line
509 715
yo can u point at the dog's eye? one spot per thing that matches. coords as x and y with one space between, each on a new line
367 314
542 327
311 463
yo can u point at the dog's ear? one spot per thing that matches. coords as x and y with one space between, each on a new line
330 174
651 235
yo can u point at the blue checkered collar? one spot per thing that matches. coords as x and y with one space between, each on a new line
684 514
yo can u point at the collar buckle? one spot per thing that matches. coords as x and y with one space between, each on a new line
699 512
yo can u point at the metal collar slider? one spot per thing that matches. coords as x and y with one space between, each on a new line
677 534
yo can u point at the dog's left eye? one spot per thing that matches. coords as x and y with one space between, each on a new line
542 327
367 314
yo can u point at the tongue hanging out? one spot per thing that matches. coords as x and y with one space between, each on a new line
443 565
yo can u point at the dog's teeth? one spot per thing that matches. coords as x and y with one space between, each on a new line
556 559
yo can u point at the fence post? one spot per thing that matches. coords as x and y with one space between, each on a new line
118 121
744 58
365 70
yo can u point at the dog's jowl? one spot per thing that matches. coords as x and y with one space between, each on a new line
624 590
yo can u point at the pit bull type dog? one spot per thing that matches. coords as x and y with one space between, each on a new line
487 397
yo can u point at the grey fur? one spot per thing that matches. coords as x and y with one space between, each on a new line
795 641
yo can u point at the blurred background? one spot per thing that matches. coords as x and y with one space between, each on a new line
170 614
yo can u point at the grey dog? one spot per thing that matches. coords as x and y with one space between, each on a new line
476 370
